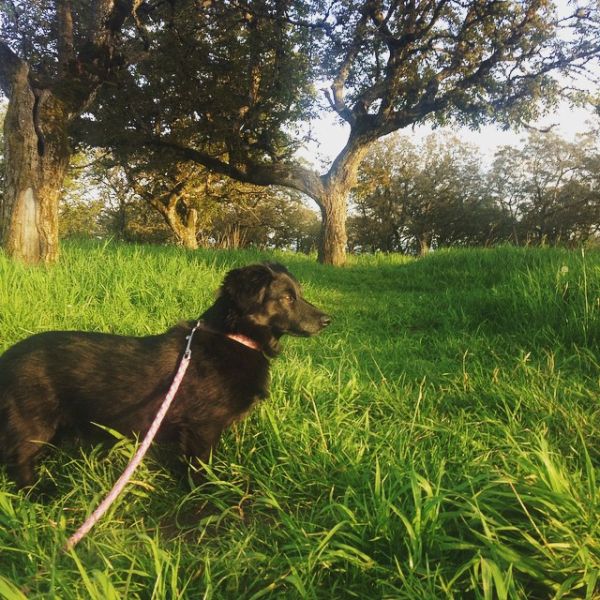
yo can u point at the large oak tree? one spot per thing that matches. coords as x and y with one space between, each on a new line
231 85
54 56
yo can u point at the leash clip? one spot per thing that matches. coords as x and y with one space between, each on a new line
187 354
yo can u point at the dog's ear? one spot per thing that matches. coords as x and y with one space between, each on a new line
246 287
277 268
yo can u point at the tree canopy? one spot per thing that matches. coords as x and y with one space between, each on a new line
232 85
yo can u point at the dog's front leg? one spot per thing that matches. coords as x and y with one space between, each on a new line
197 446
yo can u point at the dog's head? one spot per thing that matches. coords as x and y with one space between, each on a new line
265 302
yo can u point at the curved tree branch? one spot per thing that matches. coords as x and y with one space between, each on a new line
288 175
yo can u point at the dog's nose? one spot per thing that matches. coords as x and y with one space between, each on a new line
325 320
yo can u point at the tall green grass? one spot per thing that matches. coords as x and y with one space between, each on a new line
440 440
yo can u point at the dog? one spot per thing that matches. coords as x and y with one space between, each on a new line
63 384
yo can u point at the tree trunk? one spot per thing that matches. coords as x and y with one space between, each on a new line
425 243
35 169
333 238
333 201
184 228
191 240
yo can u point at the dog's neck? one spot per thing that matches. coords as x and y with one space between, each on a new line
224 318
217 319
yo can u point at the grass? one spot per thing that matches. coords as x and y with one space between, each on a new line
440 440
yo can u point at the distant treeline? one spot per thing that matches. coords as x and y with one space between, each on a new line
437 193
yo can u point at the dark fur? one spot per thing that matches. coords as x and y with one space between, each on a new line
64 382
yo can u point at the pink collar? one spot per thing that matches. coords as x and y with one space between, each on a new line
245 340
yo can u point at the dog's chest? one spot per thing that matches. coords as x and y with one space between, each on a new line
246 391
228 389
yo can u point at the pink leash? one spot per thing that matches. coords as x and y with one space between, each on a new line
141 451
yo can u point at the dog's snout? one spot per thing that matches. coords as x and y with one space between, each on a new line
325 320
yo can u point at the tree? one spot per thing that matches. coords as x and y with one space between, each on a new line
229 85
274 220
508 182
79 210
412 197
172 189
379 218
551 188
54 56
147 202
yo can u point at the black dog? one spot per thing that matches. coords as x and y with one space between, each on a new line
59 382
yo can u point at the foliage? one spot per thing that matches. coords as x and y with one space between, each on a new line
102 199
220 77
63 41
257 65
231 85
412 196
79 209
252 217
440 440
550 188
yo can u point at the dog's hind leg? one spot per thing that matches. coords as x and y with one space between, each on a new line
23 437
21 470
21 457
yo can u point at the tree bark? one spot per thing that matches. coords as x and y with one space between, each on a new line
333 238
424 243
35 168
181 218
183 228
332 199
190 240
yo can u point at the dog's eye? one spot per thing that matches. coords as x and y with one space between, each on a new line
287 298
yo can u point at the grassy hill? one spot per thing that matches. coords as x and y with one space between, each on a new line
440 440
